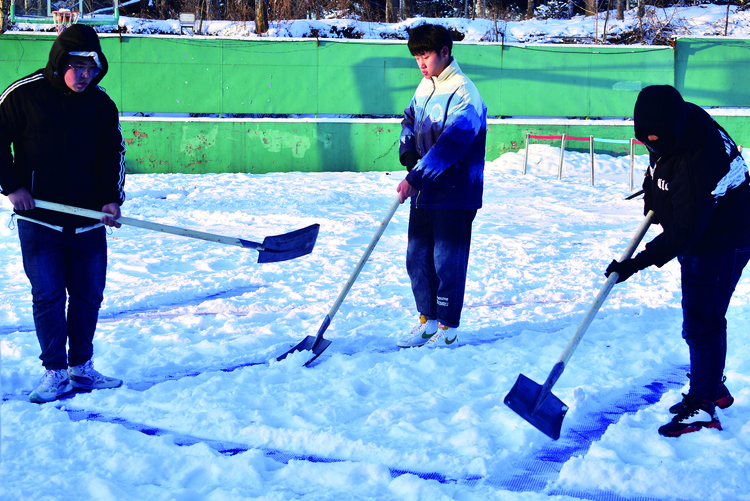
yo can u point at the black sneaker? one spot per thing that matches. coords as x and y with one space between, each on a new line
723 398
694 415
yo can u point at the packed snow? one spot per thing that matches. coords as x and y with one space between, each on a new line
207 413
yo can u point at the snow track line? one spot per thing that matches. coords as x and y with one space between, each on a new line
533 474
529 474
164 311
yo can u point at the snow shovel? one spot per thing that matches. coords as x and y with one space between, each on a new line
317 343
273 249
536 404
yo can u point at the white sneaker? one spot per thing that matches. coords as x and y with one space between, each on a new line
420 334
53 384
446 337
86 377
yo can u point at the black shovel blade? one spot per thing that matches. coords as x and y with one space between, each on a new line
289 245
318 349
305 344
308 344
548 417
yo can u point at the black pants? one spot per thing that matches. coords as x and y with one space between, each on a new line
437 258
708 282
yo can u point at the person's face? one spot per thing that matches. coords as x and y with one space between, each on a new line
432 64
79 72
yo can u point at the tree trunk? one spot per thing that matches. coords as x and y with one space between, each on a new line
641 9
620 10
261 17
591 7
530 9
389 11
4 15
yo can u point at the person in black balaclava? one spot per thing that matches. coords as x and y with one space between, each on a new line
698 186
67 148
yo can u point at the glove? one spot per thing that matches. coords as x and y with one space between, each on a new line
627 268
409 159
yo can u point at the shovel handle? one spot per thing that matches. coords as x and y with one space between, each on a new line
357 269
183 232
591 313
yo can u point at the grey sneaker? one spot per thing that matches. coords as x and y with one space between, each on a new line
53 384
446 337
420 334
86 377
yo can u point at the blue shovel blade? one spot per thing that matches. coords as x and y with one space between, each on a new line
547 418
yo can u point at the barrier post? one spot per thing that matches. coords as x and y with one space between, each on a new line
632 162
562 154
591 147
526 154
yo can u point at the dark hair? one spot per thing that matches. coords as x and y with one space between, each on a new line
429 38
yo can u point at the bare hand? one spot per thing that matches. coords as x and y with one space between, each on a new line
22 199
113 209
405 190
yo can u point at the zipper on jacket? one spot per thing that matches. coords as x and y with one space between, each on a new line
421 120
419 132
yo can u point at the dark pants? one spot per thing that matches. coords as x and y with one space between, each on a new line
437 258
56 264
708 282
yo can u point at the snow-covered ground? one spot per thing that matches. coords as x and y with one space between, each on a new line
207 413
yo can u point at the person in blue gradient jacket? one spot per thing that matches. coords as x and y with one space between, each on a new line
443 138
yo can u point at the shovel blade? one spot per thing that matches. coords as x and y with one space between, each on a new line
547 418
318 349
289 245
308 344
305 344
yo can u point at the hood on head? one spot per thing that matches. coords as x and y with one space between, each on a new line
78 39
660 111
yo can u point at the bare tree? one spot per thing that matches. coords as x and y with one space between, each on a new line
592 7
530 9
389 17
4 15
620 10
261 17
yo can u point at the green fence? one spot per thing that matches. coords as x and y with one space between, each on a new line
228 77
259 76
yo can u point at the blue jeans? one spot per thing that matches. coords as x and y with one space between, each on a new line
437 259
708 282
60 265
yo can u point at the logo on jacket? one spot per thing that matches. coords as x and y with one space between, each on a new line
436 113
662 184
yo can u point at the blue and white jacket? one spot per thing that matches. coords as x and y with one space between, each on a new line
446 126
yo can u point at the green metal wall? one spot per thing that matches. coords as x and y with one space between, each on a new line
171 74
229 76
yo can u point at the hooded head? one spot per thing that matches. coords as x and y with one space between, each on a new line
660 112
77 40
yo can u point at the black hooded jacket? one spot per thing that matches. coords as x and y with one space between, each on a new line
697 182
67 146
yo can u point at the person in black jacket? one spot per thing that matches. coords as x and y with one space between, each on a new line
67 148
699 189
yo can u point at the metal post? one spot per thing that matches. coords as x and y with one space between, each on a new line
632 162
526 155
591 138
562 154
